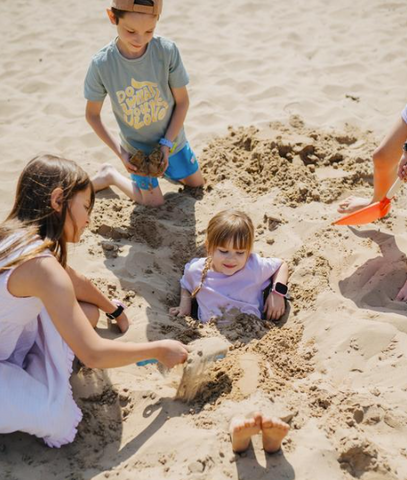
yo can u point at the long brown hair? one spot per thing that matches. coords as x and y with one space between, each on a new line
32 214
227 226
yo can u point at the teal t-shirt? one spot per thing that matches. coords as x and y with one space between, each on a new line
139 90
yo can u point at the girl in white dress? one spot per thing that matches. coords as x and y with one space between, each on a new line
42 324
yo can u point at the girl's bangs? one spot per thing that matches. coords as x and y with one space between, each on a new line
240 239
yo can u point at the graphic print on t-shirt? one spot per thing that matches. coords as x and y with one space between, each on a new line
142 104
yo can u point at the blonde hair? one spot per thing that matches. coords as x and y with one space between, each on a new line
33 216
227 227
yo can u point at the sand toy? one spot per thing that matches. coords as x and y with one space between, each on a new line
202 353
372 212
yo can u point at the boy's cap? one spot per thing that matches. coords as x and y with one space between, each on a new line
130 6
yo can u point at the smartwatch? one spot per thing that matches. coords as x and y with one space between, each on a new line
405 147
280 289
118 311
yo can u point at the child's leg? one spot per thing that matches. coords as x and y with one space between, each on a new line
109 176
273 431
242 429
183 167
385 160
91 311
194 180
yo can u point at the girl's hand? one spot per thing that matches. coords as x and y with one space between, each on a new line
180 311
402 295
171 353
274 306
402 170
123 322
166 153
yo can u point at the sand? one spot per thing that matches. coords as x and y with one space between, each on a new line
288 102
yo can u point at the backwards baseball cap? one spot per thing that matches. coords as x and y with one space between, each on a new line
130 6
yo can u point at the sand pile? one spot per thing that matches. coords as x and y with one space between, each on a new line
305 164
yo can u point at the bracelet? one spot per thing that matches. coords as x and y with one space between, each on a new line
167 143
118 311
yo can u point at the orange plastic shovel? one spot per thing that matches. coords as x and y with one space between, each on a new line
372 212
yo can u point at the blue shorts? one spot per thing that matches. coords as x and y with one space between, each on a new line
180 165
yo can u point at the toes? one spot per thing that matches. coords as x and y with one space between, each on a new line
257 418
237 424
267 422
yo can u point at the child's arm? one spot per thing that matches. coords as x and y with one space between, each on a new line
274 306
185 304
93 116
86 291
45 279
179 114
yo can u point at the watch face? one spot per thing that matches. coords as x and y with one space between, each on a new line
281 288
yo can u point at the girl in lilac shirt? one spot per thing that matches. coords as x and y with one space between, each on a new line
232 278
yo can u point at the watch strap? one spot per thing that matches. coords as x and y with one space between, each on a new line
119 310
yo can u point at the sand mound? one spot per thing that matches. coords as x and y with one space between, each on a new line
305 164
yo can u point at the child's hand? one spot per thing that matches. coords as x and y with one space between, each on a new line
402 171
166 153
402 295
274 306
180 311
123 322
171 353
125 158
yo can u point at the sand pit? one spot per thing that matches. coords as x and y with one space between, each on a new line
327 87
301 368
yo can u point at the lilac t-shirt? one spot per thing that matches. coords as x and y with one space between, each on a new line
220 292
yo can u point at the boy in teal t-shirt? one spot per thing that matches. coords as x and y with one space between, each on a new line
146 81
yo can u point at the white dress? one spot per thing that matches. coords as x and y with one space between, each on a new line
35 367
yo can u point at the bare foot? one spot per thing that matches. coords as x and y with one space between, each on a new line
352 204
274 430
104 178
241 431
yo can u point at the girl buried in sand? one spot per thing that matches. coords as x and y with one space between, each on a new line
42 323
232 278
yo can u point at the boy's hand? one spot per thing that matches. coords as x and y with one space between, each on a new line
274 306
125 158
402 170
166 153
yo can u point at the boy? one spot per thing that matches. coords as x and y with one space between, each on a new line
146 81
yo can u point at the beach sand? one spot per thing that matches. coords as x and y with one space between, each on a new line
288 102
